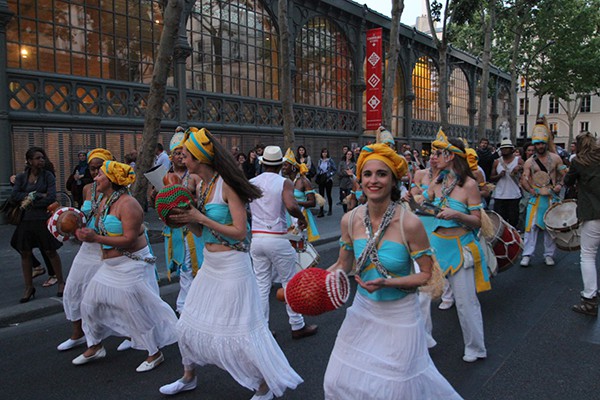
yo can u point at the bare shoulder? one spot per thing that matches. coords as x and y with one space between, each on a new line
471 183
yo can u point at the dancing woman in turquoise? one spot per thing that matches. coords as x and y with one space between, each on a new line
381 348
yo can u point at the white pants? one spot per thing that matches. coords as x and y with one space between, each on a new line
269 256
447 295
185 278
468 308
531 240
590 239
425 305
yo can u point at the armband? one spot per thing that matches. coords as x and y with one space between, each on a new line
412 185
348 246
562 168
475 207
418 254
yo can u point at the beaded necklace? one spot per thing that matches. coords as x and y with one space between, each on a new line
374 238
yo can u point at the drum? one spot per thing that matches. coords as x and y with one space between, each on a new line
314 291
541 182
169 198
64 222
563 226
506 244
309 257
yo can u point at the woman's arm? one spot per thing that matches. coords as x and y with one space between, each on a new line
346 255
573 174
472 220
43 200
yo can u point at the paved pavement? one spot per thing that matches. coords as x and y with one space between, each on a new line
46 303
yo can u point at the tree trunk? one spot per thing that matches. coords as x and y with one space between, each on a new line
443 87
512 98
287 100
153 116
392 65
485 78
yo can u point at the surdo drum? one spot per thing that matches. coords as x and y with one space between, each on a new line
506 242
563 226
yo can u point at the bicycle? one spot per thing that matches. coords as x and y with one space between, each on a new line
64 199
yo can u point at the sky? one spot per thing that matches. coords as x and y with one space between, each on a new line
412 9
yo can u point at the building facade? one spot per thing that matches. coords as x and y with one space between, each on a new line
75 75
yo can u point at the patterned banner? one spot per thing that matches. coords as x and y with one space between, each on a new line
374 77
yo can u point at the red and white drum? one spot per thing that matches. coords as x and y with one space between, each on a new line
314 291
64 222
563 226
506 243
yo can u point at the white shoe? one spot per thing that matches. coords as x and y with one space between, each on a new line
178 386
549 261
471 359
101 353
125 345
266 396
149 366
446 305
525 261
70 343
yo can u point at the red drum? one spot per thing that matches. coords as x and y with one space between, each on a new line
314 291
299 245
171 197
64 222
506 243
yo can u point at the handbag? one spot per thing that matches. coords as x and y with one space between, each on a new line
321 179
12 211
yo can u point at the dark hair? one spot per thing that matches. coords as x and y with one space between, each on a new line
237 157
260 146
482 140
227 167
348 151
298 151
396 194
460 164
525 146
159 146
48 166
323 150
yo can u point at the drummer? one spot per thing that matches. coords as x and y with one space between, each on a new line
542 162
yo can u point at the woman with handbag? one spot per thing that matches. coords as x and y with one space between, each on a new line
35 190
346 174
381 348
325 173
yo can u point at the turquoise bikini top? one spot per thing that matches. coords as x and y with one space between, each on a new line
300 195
454 205
86 208
395 258
113 226
218 213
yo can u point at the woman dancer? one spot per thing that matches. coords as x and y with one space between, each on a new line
35 188
381 348
88 258
122 298
222 321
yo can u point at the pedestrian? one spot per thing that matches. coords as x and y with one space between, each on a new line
381 348
303 158
456 195
346 175
542 178
122 299
272 252
486 156
183 250
89 257
325 173
249 165
222 322
161 156
585 173
506 173
241 160
35 190
79 178
259 152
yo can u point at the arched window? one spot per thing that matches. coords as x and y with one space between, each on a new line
110 39
323 66
234 49
458 95
425 81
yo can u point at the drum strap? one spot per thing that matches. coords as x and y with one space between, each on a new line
543 168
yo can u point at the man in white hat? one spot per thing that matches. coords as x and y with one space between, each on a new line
271 251
506 172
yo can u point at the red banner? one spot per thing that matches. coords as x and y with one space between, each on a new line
374 78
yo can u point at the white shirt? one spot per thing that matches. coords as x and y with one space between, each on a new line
162 158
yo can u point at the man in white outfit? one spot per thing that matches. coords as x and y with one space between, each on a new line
272 254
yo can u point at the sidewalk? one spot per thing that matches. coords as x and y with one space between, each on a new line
46 303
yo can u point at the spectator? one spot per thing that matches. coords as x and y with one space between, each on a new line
235 150
303 158
161 156
241 160
81 177
259 152
346 174
486 156
325 173
249 165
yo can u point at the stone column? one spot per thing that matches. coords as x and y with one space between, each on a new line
6 153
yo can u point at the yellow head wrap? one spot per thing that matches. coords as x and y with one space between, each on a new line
540 134
119 173
100 153
472 158
441 142
302 169
384 153
198 143
176 141
290 157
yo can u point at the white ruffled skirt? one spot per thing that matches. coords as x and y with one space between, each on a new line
123 299
381 353
223 324
84 267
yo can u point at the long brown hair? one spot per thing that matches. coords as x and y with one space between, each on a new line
588 151
460 165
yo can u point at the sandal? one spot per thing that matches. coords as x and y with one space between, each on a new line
51 281
37 271
587 306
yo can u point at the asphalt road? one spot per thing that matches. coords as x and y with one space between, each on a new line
537 349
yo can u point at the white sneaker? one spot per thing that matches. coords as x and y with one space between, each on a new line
470 359
125 345
178 386
70 343
525 261
446 305
549 261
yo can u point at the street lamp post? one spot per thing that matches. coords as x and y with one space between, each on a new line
537 53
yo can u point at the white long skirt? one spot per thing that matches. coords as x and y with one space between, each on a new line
223 324
381 353
123 299
84 267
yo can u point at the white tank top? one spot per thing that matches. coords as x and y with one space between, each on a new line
507 187
268 212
